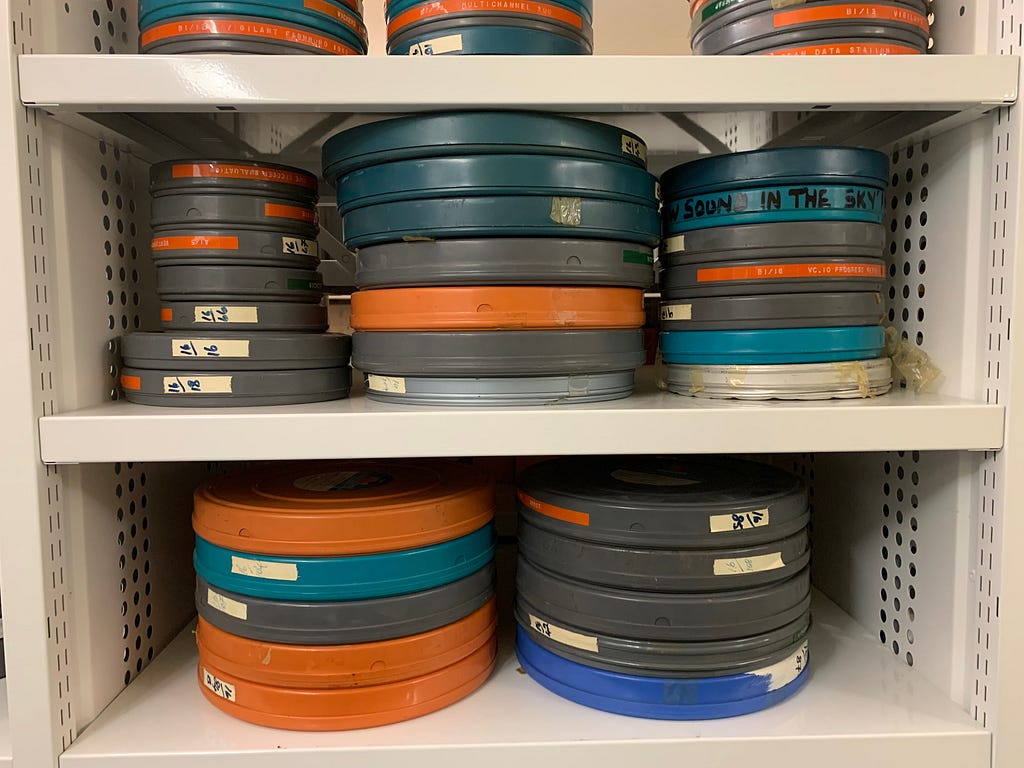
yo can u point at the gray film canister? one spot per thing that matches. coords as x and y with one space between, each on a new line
688 502
663 659
196 175
797 239
506 261
235 351
816 274
234 247
244 316
729 42
665 616
665 570
498 353
345 622
182 387
501 391
772 311
183 282
232 209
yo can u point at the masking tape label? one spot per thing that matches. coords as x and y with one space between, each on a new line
740 521
786 671
564 636
437 47
632 146
394 384
210 347
227 605
677 312
222 314
299 246
197 385
219 687
263 569
759 564
675 244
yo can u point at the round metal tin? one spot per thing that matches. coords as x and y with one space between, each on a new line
406 19
785 346
174 209
451 39
702 11
220 175
820 274
358 577
674 617
649 658
234 247
237 34
511 216
498 353
346 622
336 508
662 699
346 708
900 39
488 308
583 7
501 392
787 166
774 204
184 282
690 502
478 133
184 387
495 176
251 316
805 239
506 261
236 352
346 666
821 381
664 570
771 311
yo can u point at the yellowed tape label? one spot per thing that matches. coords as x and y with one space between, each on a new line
211 348
740 521
224 690
222 314
386 384
564 636
739 565
677 312
264 569
197 385
227 606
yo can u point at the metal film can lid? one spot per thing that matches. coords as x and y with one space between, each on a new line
233 174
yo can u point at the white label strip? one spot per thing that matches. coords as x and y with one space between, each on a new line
634 147
739 521
564 636
224 690
675 244
210 347
386 384
738 565
785 672
262 569
297 246
197 385
438 46
677 312
222 314
227 605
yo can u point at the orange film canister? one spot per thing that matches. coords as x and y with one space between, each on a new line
336 508
346 708
497 308
346 666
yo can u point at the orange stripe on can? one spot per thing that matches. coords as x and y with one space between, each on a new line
133 383
851 12
277 211
848 49
321 6
197 243
523 7
166 314
240 28
246 172
556 513
789 271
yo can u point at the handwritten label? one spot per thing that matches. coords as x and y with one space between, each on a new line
567 211
224 314
225 690
786 671
197 385
226 605
563 636
677 312
264 569
209 348
386 384
634 147
675 244
709 206
739 565
299 246
437 47
740 521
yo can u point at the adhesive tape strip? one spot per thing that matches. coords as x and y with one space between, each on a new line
848 239
551 13
705 10
772 347
817 274
583 7
771 311
449 39
172 208
896 38
184 387
236 34
216 175
248 316
185 282
846 47
233 246
235 352
691 502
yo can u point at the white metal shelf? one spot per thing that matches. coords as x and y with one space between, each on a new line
860 707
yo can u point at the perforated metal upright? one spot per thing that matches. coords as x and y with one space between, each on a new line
914 495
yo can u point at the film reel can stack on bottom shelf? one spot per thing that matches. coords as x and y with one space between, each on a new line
331 27
242 303
665 588
344 595
501 257
810 27
772 275
457 27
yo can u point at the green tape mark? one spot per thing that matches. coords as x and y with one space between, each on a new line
304 285
638 257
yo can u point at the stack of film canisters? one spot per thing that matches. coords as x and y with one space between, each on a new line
665 588
332 27
242 304
344 595
772 275
810 28
501 257
456 27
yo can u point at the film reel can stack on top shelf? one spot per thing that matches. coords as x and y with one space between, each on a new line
242 304
502 257
343 595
